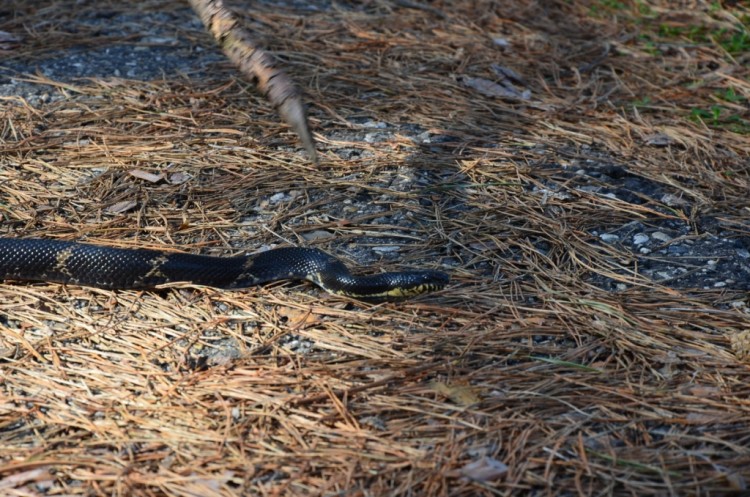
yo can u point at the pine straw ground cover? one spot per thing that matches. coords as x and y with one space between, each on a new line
564 359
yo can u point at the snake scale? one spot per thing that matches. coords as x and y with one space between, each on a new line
115 268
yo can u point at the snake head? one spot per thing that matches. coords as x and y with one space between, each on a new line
395 286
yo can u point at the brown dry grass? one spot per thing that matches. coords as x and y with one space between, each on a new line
579 391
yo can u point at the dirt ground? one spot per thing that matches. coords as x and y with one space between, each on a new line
581 169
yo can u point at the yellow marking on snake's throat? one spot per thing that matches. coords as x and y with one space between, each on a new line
393 293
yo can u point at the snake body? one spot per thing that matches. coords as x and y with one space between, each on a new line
115 268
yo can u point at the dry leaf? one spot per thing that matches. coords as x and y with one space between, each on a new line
121 207
18 479
145 175
484 469
658 140
741 344
179 178
462 395
297 318
503 73
317 235
504 88
489 88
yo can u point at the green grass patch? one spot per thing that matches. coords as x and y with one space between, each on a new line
643 103
605 6
736 42
720 117
733 41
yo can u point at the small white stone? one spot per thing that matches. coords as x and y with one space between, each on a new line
277 197
640 239
387 248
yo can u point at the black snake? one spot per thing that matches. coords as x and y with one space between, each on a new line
114 268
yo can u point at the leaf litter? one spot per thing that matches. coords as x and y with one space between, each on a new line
594 336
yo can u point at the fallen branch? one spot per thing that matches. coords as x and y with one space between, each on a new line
259 66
